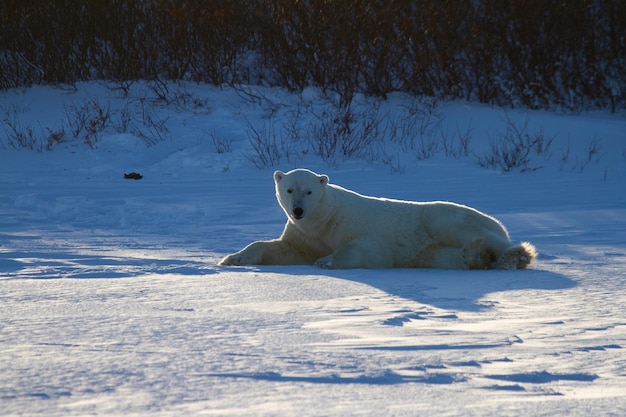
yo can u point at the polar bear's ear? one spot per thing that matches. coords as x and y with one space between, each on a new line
323 179
278 175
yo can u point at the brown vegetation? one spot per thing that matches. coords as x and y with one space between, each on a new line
533 53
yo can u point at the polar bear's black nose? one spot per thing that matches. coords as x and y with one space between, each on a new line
298 212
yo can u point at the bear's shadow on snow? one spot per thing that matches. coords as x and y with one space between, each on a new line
445 289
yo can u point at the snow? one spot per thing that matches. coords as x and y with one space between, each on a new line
112 302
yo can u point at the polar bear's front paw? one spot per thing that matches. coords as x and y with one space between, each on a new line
251 255
231 260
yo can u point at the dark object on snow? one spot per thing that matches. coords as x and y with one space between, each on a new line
133 176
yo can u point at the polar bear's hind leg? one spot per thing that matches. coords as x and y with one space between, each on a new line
518 256
479 255
488 253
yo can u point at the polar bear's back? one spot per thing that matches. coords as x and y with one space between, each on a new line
398 220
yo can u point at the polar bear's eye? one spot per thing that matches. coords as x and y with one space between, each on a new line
289 190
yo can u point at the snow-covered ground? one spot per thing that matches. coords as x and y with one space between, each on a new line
112 303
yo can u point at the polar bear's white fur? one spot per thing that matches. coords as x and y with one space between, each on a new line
332 227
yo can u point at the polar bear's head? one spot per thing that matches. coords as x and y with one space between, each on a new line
299 192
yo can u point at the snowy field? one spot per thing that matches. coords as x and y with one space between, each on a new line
112 303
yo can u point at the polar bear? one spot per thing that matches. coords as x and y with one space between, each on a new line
335 228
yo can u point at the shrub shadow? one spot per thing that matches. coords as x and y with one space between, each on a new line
386 378
53 265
